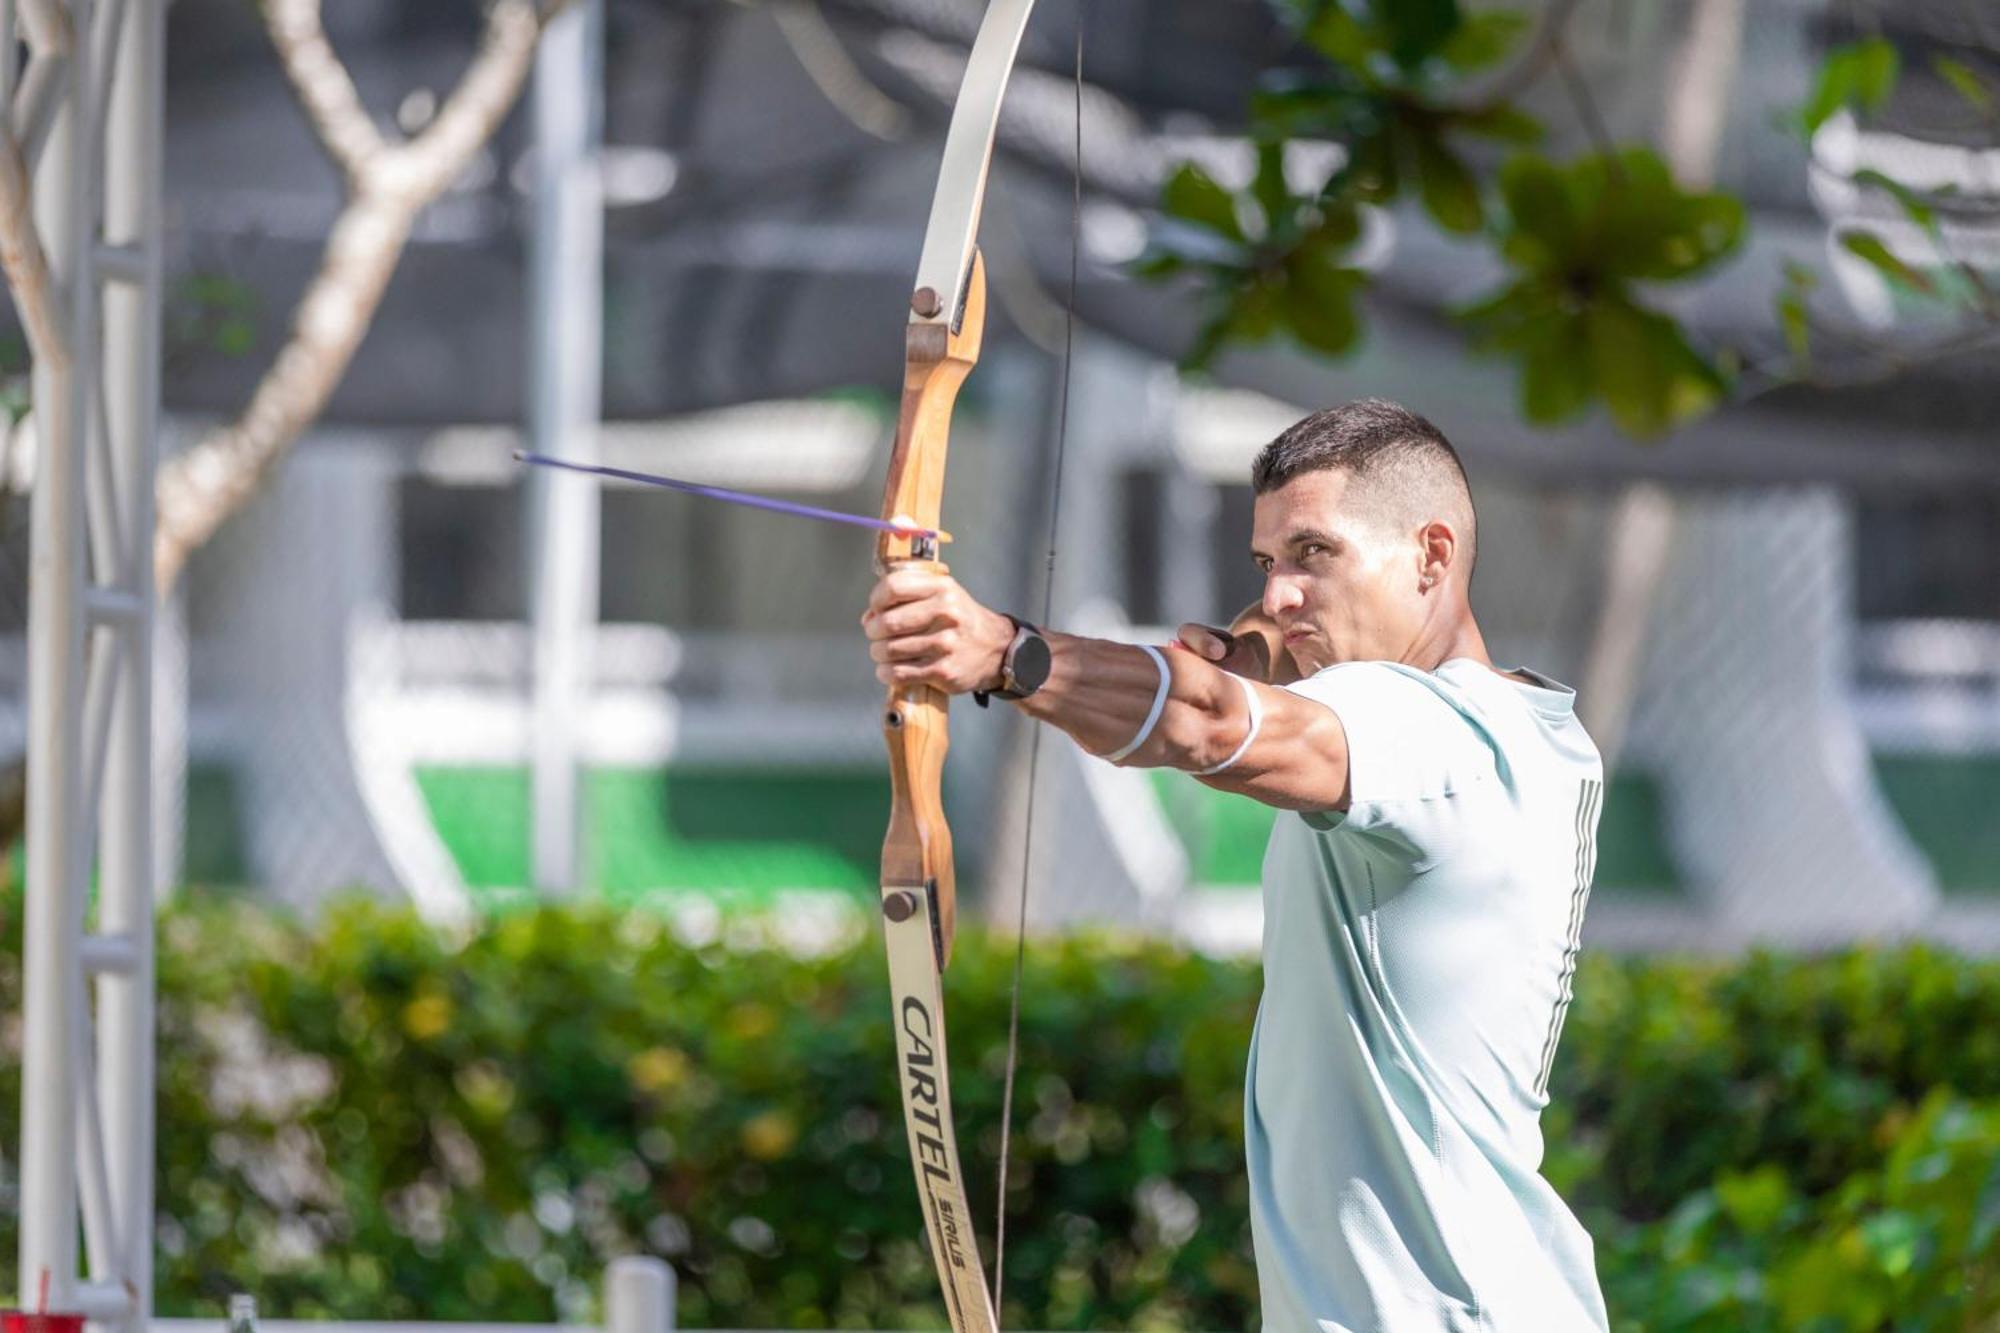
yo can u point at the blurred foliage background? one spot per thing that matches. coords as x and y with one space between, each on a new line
367 1119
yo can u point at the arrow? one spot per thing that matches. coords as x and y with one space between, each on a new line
890 525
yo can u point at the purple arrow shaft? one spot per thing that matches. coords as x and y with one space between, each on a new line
732 497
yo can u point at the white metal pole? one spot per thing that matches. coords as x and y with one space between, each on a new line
125 997
56 618
638 1295
566 314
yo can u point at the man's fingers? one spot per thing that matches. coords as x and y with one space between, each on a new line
903 584
908 618
1210 642
910 648
924 629
904 664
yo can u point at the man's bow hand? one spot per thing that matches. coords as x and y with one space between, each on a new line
925 629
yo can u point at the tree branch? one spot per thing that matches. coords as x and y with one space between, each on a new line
430 162
25 262
325 90
817 48
388 186
1877 362
1534 60
1585 103
45 26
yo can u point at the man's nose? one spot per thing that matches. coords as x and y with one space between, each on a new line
1281 594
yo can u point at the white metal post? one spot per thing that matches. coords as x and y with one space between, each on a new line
53 927
638 1295
131 296
565 375
87 1087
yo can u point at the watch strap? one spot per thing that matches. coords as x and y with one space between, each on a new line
1007 689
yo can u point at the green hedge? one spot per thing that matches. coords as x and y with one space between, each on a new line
365 1120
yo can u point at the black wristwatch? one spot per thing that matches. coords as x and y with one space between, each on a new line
1024 667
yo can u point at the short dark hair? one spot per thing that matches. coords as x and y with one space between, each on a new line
1396 454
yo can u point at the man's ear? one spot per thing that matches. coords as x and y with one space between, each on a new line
1437 553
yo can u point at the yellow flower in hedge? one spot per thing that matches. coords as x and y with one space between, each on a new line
769 1136
486 1088
427 1016
751 1021
658 1069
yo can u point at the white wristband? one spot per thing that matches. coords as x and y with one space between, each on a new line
1159 705
1256 724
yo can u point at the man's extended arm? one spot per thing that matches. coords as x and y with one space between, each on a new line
925 629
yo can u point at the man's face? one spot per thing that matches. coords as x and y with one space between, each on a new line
1340 584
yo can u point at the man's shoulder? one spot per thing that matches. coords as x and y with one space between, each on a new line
1382 685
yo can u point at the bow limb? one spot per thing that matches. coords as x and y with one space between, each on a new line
919 895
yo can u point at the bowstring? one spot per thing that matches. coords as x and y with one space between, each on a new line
1048 608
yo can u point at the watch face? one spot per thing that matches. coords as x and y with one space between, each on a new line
1030 663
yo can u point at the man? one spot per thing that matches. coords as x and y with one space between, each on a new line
1423 890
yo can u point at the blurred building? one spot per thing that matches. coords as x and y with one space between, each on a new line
1814 745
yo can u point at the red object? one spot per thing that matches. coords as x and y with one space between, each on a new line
20 1321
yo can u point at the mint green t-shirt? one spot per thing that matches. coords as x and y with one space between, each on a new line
1418 956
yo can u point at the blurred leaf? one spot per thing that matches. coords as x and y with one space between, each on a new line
1193 196
1450 193
1338 227
1373 173
1756 1201
1649 377
1860 74
1320 299
1555 379
1507 124
1159 263
1646 226
1965 80
235 337
1794 320
1915 207
1208 342
1483 38
1273 195
1984 1238
1624 358
1417 29
1872 248
1539 205
1339 36
1291 105
1258 311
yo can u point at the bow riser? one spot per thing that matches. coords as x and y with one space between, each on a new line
916 854
936 360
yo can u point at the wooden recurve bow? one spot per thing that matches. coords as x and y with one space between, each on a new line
947 318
